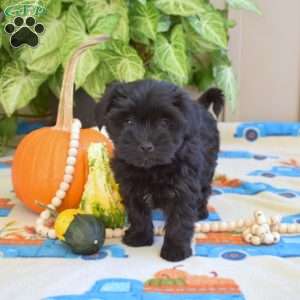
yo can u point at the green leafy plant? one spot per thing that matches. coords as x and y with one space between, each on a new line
182 41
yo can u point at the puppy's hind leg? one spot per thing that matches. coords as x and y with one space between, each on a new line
140 233
202 203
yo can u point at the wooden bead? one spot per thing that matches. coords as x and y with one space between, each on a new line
69 170
254 229
51 207
298 227
39 222
214 227
51 234
75 136
60 194
108 233
276 237
39 228
261 220
75 130
74 144
255 240
248 222
292 228
223 226
262 230
73 152
117 233
248 237
71 161
45 215
247 231
283 228
268 239
76 123
56 201
198 227
205 227
231 225
258 213
275 219
275 227
64 186
68 178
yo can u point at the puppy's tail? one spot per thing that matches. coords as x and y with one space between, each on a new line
213 97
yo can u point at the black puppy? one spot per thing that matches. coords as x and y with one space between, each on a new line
166 149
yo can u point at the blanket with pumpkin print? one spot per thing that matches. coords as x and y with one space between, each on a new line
258 168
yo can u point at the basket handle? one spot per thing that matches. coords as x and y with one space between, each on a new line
65 109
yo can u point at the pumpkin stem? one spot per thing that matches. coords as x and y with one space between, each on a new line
65 109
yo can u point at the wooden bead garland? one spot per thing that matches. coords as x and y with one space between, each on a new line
64 185
258 230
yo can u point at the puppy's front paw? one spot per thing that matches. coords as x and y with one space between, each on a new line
173 252
138 239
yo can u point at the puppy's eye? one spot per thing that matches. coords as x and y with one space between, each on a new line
164 123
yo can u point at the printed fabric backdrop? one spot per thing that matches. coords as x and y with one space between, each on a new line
259 168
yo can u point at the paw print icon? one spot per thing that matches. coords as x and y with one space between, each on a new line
24 31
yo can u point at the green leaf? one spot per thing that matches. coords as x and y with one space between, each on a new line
225 78
143 21
245 4
8 129
75 35
55 81
164 23
18 86
122 61
96 82
46 57
93 10
195 42
53 9
46 64
144 2
157 74
180 7
211 26
170 56
204 78
4 58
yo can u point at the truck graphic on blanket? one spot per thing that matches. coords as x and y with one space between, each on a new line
223 185
239 154
251 131
21 247
165 285
231 246
283 171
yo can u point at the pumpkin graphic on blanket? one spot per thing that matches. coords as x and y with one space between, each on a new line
174 281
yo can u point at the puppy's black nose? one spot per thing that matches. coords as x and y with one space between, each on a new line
146 147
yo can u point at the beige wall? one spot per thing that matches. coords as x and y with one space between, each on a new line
266 55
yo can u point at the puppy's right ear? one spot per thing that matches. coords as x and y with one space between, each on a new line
104 105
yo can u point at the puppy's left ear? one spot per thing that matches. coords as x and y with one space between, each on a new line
104 105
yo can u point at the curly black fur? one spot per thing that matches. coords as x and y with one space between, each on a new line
166 151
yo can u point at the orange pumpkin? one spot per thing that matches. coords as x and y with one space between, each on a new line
40 159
